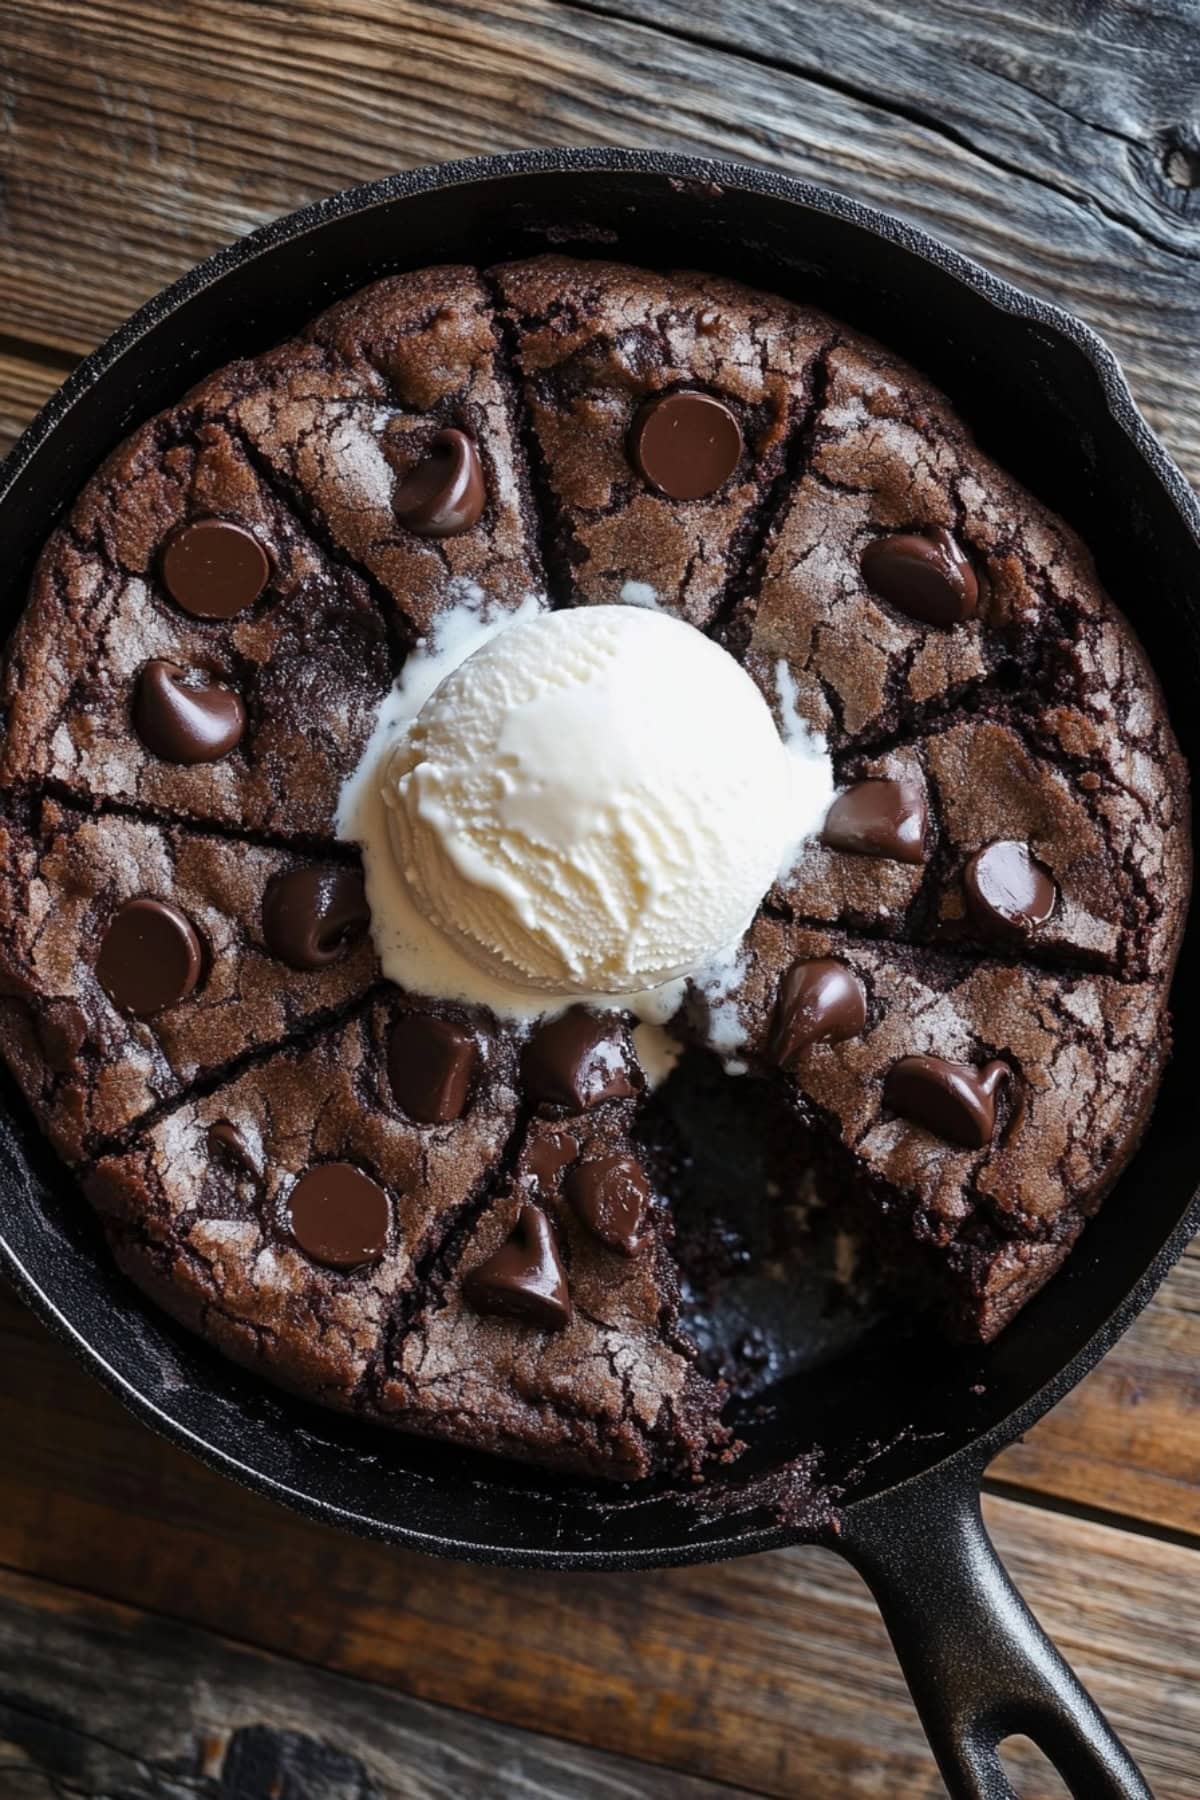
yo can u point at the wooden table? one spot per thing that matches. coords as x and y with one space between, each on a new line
164 1634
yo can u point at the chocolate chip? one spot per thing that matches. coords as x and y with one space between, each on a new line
444 493
185 722
879 818
575 1061
1008 892
313 915
954 1100
339 1216
926 575
687 445
226 1144
430 1065
708 320
214 569
610 1194
820 1000
150 957
548 1156
525 1278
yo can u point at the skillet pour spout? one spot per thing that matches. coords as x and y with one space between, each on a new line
1047 400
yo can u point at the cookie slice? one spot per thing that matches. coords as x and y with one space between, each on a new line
1079 857
136 959
188 649
663 409
286 1215
388 425
906 569
987 833
552 1335
977 1177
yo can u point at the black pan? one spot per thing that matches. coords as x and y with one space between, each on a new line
1048 400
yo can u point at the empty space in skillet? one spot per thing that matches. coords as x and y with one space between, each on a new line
1036 403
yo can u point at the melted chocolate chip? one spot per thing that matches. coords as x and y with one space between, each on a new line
611 1194
879 818
182 722
687 445
312 916
708 320
817 1000
150 957
214 569
339 1216
525 1278
226 1144
430 1065
1008 893
575 1061
444 493
548 1156
954 1100
926 575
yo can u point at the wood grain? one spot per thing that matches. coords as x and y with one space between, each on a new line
772 1674
25 386
1061 146
1090 101
167 131
98 1700
1128 1439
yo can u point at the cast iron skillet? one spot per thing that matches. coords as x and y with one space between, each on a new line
1047 398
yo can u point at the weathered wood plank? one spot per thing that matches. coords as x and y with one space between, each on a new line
25 386
1128 1438
98 1700
772 1674
1097 101
168 131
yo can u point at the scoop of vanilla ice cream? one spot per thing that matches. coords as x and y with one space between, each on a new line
595 802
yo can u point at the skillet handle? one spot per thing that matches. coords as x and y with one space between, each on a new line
978 1664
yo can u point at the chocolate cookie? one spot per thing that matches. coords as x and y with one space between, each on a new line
119 688
388 426
948 1019
978 1169
664 408
890 462
285 1214
551 1341
134 962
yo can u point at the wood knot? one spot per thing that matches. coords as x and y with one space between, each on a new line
1181 165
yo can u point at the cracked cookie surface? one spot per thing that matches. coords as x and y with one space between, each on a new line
522 1290
197 1205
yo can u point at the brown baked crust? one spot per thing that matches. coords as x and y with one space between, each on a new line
614 1393
336 415
1039 720
209 1238
311 658
88 1069
1086 1053
592 342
